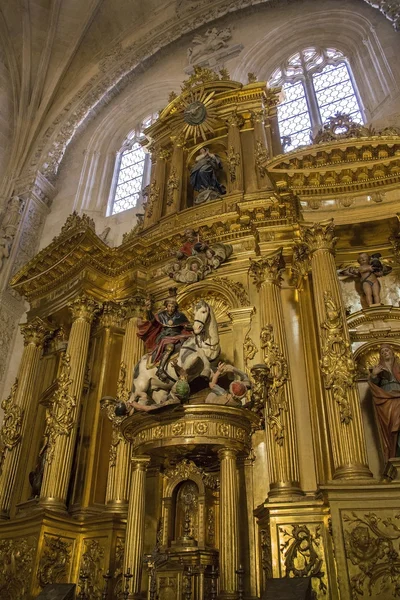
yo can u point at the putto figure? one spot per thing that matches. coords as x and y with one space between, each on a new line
384 382
164 332
370 268
203 177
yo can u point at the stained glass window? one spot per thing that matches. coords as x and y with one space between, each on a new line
316 84
130 179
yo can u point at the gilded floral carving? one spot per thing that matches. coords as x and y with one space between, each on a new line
302 554
337 363
278 376
16 558
187 468
233 163
11 429
55 561
92 566
261 157
61 412
372 545
172 186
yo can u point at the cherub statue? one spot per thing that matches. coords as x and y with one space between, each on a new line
367 273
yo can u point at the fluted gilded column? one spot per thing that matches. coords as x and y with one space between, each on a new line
235 161
280 418
154 206
175 179
117 494
229 524
342 399
62 418
134 542
16 406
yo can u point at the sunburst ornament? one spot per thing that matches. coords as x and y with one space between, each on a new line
199 115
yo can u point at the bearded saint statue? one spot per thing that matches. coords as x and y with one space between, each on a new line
384 382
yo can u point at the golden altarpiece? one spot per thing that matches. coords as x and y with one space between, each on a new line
203 500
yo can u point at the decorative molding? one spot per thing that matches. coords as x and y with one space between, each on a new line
55 560
11 429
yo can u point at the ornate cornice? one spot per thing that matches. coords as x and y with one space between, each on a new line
118 64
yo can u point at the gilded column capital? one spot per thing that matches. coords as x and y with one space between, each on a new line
134 306
268 269
35 332
319 236
258 116
163 154
178 140
224 453
84 307
235 120
112 314
140 463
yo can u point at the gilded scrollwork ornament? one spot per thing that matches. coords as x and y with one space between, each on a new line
249 352
172 186
11 429
60 416
16 557
152 198
337 363
55 561
92 565
278 376
261 157
259 375
109 405
372 545
187 468
302 554
233 163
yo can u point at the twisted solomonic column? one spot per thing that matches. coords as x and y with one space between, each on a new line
61 421
280 418
345 427
16 406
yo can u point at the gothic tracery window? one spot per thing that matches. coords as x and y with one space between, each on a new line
316 84
132 171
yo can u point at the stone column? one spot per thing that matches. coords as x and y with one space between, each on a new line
235 161
16 407
260 150
154 206
23 226
117 494
229 525
62 418
280 418
133 558
342 399
175 179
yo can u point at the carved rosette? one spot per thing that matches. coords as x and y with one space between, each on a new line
337 363
61 412
84 308
267 269
278 376
55 561
34 332
11 430
319 236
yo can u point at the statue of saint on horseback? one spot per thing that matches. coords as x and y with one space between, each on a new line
177 353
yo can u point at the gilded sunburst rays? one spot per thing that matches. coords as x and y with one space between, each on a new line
199 115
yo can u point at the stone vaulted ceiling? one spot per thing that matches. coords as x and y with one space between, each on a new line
66 58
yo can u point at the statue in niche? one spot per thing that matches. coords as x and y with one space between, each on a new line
203 177
237 383
366 274
384 382
177 353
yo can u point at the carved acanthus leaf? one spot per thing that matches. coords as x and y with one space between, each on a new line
11 429
337 363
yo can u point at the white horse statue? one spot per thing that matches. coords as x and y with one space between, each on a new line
194 359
